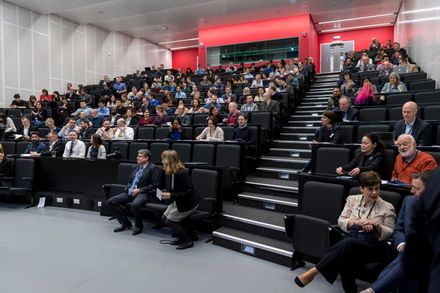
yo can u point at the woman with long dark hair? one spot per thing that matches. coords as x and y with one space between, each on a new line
96 149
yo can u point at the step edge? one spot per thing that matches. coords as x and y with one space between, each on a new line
265 199
254 222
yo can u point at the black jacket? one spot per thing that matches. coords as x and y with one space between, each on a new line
183 193
58 148
333 135
372 163
421 131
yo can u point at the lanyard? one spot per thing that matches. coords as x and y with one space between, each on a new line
363 209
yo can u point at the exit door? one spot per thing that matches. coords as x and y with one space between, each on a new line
333 55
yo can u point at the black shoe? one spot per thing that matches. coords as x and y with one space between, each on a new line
123 227
185 245
299 283
137 230
177 242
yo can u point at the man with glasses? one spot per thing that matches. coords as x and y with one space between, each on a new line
74 148
410 160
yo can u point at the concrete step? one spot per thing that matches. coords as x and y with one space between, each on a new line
297 136
278 173
293 144
268 202
301 129
282 162
290 153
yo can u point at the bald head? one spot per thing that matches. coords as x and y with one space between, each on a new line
409 112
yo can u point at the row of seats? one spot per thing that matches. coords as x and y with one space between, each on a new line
358 77
424 112
328 158
353 133
423 96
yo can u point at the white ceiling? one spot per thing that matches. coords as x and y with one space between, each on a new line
170 20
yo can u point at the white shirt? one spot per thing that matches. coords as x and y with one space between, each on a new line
79 150
126 134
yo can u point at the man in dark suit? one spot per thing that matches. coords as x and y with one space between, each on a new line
26 128
270 105
143 182
345 112
56 146
411 124
394 275
422 249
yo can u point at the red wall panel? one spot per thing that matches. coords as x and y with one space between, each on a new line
279 28
185 58
362 38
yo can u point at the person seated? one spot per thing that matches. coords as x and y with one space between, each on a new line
366 65
369 220
242 131
228 93
347 86
205 82
166 87
212 132
365 95
393 86
182 197
196 107
18 102
82 108
119 87
200 70
405 61
386 69
349 66
176 131
345 112
145 119
86 97
411 124
111 103
161 116
105 132
259 95
45 97
50 123
334 99
270 105
328 132
370 158
26 128
96 149
181 116
123 132
410 160
35 146
362 59
130 118
8 125
213 103
250 106
143 183
85 131
394 275
56 147
6 169
179 94
39 115
233 114
74 147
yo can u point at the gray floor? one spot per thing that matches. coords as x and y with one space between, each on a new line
64 250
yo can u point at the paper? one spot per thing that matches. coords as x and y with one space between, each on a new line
159 194
42 202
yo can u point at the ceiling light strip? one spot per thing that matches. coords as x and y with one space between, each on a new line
185 47
178 41
420 10
357 18
357 27
420 19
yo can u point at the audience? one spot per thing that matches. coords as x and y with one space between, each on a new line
212 132
365 95
345 112
393 86
334 99
411 124
176 131
35 146
410 160
26 128
56 147
242 131
96 149
6 169
123 132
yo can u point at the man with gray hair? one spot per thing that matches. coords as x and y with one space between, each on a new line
143 183
345 112
233 114
410 160
123 132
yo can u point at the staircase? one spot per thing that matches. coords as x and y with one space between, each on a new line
254 225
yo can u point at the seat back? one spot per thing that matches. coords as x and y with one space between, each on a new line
156 149
21 146
364 129
123 148
322 200
124 172
184 150
205 184
228 156
228 131
372 114
198 130
23 168
427 97
427 84
348 131
262 118
200 118
329 158
8 147
146 132
133 149
203 153
388 163
161 132
431 113
398 99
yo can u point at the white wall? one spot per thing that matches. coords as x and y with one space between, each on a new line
47 51
421 36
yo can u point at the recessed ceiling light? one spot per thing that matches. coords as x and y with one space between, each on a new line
164 28
357 18
178 41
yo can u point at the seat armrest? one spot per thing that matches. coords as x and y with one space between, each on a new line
113 189
114 185
27 178
7 181
289 222
336 234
